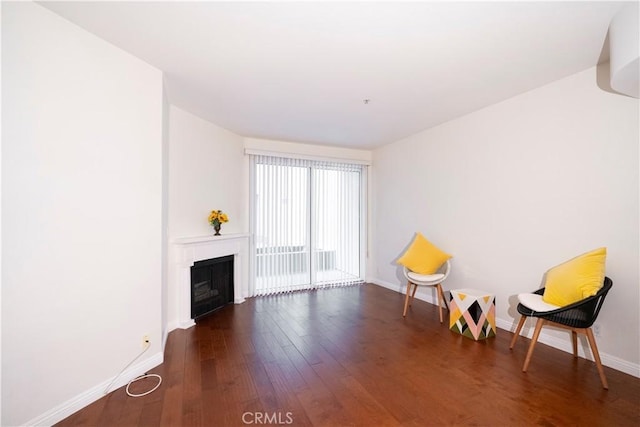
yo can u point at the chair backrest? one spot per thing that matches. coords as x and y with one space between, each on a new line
583 313
602 293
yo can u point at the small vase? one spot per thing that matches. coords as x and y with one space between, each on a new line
217 228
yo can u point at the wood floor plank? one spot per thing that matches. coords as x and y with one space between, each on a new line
131 413
355 408
172 406
286 394
346 356
151 414
264 387
214 409
192 413
87 416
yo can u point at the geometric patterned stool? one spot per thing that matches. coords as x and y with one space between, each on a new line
472 313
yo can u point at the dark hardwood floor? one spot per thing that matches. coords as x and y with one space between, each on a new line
347 357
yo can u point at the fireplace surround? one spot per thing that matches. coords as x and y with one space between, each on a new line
187 251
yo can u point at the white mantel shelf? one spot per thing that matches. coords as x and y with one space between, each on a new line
189 250
210 238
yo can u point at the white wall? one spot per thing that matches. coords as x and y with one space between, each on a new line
206 171
516 188
1 236
81 197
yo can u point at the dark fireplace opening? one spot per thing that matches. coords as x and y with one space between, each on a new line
211 285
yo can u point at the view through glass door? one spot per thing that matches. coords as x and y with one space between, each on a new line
306 223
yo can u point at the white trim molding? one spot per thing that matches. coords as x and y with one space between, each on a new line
251 151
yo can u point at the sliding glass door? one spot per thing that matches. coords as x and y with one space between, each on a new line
307 224
336 224
281 235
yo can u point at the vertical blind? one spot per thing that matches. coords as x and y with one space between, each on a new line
307 223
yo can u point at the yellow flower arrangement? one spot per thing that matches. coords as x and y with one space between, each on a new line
217 217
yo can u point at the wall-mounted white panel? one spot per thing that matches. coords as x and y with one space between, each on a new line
624 47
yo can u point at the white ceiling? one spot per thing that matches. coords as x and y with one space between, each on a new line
299 71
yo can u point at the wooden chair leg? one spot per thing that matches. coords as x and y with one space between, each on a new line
574 342
406 299
516 334
534 340
440 299
413 294
596 356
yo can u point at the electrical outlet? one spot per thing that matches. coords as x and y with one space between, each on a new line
146 341
596 330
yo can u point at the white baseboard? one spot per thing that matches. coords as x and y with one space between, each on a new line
545 338
172 325
187 324
393 286
73 405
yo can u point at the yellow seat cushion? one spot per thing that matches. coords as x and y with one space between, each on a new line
422 256
576 279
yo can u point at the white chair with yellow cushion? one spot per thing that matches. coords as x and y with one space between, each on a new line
424 265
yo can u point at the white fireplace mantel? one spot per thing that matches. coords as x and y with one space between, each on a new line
189 250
